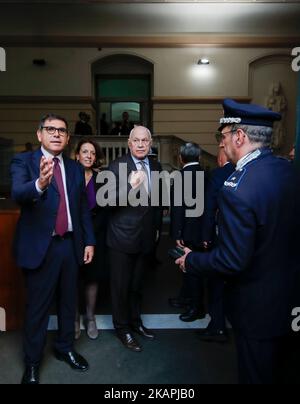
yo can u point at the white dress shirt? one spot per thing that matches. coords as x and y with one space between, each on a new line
191 164
63 173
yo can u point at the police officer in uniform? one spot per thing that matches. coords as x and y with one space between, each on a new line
256 251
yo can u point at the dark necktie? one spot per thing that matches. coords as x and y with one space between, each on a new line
61 226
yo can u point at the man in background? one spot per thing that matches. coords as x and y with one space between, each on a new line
186 231
83 128
126 125
216 330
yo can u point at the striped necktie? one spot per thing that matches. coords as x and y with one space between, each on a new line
146 183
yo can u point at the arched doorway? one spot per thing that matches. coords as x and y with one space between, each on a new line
122 83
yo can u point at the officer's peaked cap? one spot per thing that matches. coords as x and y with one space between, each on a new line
247 114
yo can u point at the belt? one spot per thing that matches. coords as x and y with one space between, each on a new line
66 236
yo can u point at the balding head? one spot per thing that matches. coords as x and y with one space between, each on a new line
137 130
140 142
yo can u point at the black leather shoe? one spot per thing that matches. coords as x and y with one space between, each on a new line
192 314
129 342
73 359
179 302
31 375
213 335
144 332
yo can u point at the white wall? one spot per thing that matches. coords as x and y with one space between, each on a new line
176 74
68 71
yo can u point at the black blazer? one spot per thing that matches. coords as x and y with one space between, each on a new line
185 228
132 230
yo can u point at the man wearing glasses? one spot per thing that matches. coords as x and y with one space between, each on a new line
54 237
256 253
131 236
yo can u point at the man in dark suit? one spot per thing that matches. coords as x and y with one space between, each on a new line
54 236
186 231
132 231
216 330
256 250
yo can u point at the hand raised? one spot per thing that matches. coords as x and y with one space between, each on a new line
137 178
46 173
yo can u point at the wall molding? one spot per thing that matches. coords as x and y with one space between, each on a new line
45 100
197 100
159 41
90 100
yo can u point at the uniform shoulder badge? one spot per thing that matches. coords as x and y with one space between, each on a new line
235 179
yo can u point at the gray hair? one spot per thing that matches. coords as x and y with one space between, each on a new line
261 135
140 127
190 152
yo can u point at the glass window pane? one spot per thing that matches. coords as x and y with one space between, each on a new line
123 88
133 109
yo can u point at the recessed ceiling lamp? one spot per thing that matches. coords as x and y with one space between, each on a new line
203 61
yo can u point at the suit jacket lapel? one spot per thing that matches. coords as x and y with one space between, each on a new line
36 159
153 166
70 172
131 164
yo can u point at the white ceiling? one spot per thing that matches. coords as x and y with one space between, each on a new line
86 18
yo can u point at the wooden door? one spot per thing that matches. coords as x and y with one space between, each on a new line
12 294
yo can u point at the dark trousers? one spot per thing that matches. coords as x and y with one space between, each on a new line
193 288
216 287
58 272
259 361
193 285
126 276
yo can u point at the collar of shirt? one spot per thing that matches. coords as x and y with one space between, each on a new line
51 156
191 164
137 161
246 159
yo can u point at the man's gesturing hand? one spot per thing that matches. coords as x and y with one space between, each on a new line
137 178
46 173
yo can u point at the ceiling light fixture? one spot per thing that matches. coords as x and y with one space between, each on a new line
203 61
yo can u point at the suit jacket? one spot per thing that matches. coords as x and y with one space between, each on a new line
185 228
256 249
38 212
216 181
132 230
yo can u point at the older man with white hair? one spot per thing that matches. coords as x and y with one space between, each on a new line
131 236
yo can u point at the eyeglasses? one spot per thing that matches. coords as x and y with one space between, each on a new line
136 142
51 130
225 133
